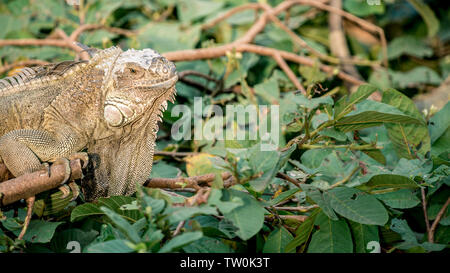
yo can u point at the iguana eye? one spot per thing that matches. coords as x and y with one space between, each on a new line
132 70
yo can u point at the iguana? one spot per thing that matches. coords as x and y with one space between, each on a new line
108 106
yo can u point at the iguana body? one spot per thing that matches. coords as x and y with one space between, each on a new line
108 106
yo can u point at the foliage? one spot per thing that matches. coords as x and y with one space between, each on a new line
360 165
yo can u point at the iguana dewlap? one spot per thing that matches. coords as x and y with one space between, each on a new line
108 106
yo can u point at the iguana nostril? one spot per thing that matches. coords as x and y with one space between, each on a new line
173 71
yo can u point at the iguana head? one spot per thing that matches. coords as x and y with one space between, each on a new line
137 81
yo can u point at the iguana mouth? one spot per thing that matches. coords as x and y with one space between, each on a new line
162 85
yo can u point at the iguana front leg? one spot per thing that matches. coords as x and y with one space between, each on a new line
22 151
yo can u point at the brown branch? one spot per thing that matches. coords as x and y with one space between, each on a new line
178 229
30 205
361 22
229 13
88 27
71 44
300 208
7 67
289 73
299 218
338 43
289 179
186 73
175 154
34 42
210 53
424 208
194 182
66 41
241 45
31 184
437 220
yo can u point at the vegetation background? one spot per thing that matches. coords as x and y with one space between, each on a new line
363 161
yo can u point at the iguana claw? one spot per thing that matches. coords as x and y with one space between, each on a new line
65 191
82 156
70 187
66 164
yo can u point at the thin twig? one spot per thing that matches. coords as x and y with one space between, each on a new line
179 227
7 67
300 208
289 179
424 208
283 65
437 220
345 179
175 154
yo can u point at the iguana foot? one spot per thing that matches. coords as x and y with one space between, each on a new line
81 156
30 205
67 189
66 164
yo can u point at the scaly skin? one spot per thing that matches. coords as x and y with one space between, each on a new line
108 106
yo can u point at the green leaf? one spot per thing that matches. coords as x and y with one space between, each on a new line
303 232
407 138
268 90
51 204
281 197
313 158
428 16
311 103
112 246
362 235
381 181
312 74
9 23
164 170
207 245
248 218
60 241
364 8
224 206
410 241
330 132
345 104
266 164
401 199
154 35
409 45
441 146
277 241
189 10
39 231
122 224
180 214
371 119
181 241
439 123
114 203
357 206
415 77
332 236
320 199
